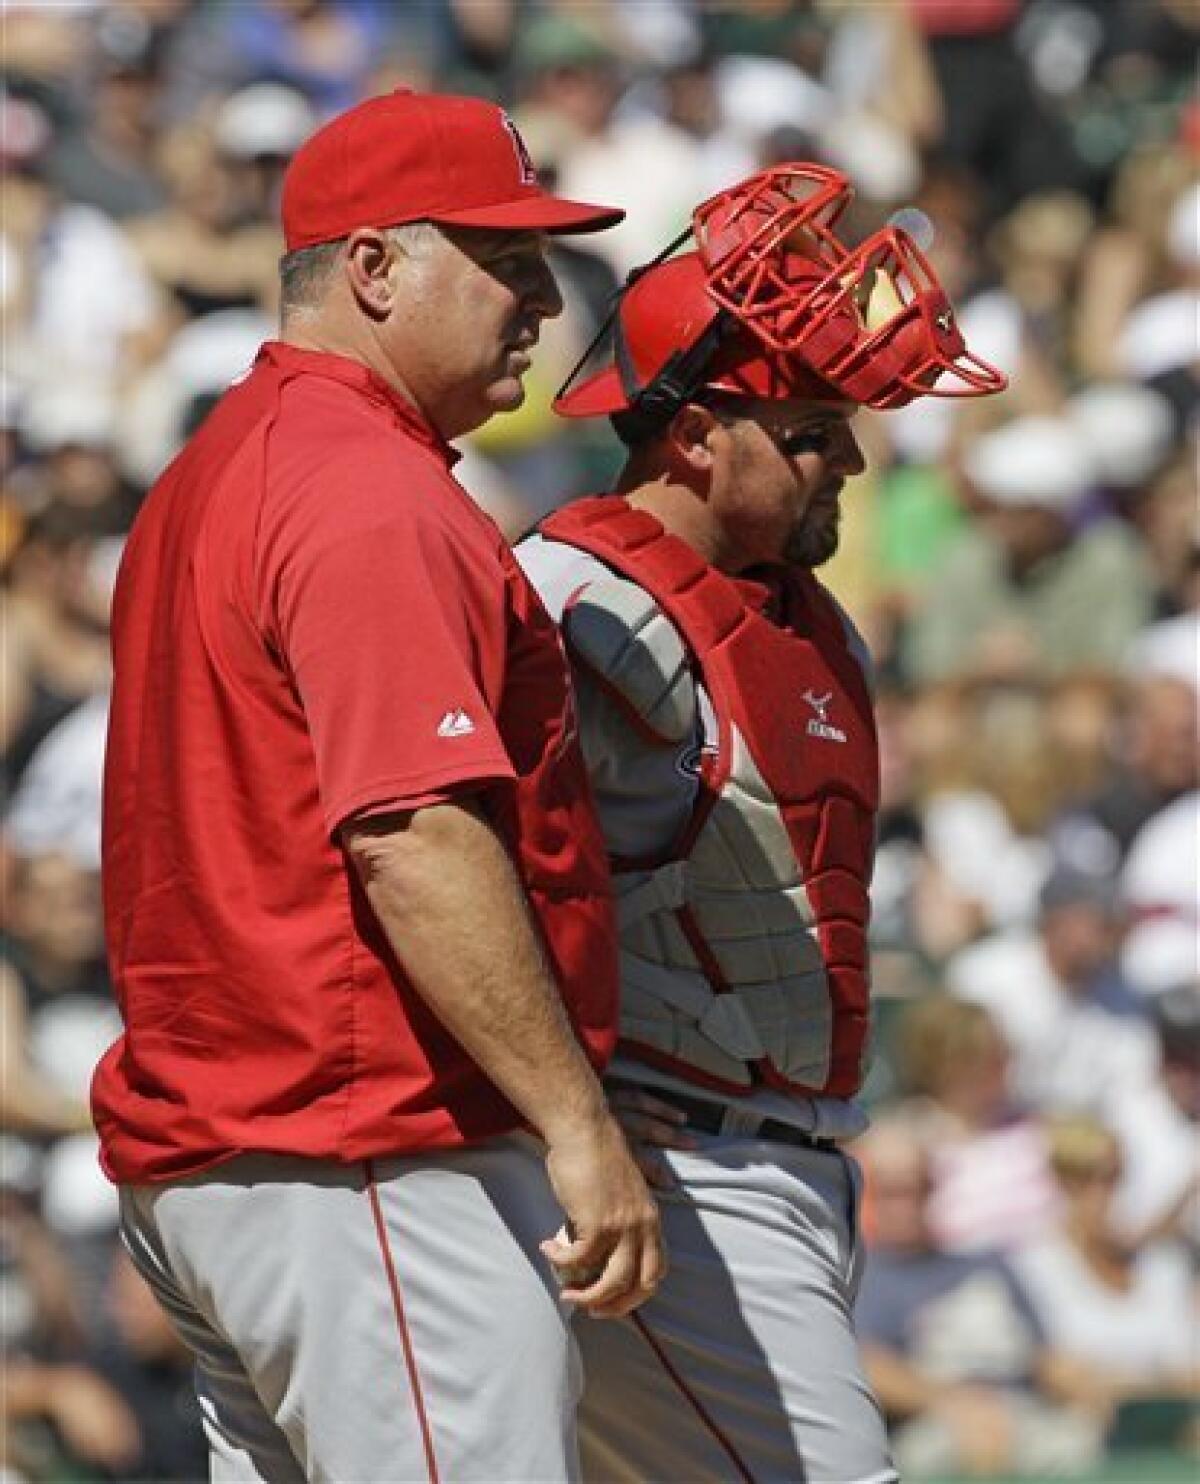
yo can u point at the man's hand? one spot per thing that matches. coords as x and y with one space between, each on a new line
650 1125
610 1254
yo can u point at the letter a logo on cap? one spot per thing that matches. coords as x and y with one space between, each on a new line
524 160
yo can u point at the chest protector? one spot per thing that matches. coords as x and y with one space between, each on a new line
744 947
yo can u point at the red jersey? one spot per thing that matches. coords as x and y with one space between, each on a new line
313 621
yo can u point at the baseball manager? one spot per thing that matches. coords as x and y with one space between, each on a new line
357 904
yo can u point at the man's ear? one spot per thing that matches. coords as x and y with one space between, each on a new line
689 438
369 260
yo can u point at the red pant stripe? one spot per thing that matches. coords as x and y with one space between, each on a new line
693 1400
410 1359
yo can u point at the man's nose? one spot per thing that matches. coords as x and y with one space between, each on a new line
850 455
543 293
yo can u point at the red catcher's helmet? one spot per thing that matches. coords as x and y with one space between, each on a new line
672 338
773 305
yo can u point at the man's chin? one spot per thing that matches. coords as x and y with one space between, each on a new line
812 548
506 395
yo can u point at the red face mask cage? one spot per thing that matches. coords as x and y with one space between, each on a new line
776 266
746 234
903 355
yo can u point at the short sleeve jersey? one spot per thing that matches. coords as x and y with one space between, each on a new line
314 621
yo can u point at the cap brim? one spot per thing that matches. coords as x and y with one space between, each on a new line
598 396
536 214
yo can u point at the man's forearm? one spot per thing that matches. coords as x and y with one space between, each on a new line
447 895
454 910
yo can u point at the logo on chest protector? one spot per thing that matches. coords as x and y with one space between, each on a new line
820 725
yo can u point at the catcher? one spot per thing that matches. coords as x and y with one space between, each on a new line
726 719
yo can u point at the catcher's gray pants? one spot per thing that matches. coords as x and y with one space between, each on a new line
389 1322
744 1366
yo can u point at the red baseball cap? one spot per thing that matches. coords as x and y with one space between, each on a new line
408 157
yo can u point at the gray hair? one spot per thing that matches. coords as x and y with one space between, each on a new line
304 274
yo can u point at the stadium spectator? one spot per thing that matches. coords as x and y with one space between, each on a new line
1153 761
1070 1019
991 1187
147 1363
952 1344
30 1103
1166 518
988 782
644 162
1136 271
202 250
105 159
323 48
1125 1317
1023 592
55 807
1159 1195
58 1416
257 130
57 588
79 307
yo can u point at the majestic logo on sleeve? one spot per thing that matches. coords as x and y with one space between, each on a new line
525 163
820 725
455 724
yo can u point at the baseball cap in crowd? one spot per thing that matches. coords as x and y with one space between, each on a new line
1128 428
408 157
562 43
263 120
1169 649
1067 886
1041 462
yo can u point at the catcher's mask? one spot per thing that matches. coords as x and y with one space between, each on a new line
772 304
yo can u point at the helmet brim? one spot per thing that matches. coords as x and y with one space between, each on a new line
599 396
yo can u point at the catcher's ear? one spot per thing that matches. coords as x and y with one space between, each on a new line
369 259
689 437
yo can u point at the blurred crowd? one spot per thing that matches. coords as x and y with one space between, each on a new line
1027 570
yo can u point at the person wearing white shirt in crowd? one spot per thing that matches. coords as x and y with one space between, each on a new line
1071 1022
1128 1316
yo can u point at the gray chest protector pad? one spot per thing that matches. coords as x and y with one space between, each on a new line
779 1008
618 631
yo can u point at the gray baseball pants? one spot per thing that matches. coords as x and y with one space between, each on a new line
744 1366
385 1322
